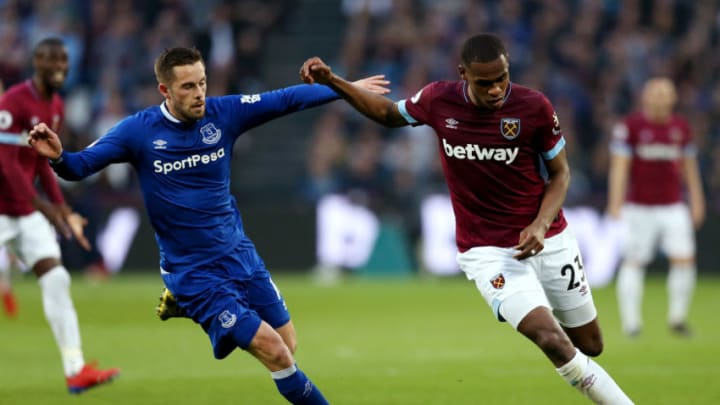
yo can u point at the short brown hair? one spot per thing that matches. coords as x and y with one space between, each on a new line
171 57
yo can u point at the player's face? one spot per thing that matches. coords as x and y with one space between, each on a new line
51 66
487 82
185 95
658 99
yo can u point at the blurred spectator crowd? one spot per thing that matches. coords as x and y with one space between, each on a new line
590 57
112 45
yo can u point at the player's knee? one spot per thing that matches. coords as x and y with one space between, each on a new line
555 344
271 349
292 345
592 347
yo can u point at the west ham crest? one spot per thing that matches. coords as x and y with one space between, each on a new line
510 128
498 282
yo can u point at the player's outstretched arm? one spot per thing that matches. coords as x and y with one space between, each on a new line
374 106
45 141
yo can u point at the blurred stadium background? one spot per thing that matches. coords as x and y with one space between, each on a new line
589 56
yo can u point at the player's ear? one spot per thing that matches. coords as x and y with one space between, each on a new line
163 89
461 70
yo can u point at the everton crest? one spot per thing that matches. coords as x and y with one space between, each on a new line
210 134
510 128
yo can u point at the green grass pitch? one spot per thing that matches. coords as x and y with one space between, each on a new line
367 341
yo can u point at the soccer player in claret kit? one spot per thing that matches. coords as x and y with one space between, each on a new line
495 139
653 162
181 150
27 219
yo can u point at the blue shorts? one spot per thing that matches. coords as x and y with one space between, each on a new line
227 305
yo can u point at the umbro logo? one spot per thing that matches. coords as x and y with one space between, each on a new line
451 123
160 144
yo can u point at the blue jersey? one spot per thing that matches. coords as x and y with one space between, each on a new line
184 168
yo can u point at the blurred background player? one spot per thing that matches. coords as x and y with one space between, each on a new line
653 159
26 217
511 235
8 261
181 150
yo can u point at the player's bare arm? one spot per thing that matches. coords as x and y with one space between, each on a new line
54 215
45 141
374 106
617 184
696 197
532 238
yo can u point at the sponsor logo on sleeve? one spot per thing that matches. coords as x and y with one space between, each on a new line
6 119
414 99
250 98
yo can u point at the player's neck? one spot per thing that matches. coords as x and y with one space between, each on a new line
658 117
44 91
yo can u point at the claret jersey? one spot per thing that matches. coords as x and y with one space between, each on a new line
492 159
21 107
184 168
657 152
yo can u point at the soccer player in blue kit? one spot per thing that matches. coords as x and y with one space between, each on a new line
181 151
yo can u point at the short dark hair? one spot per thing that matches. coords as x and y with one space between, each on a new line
47 43
171 57
482 48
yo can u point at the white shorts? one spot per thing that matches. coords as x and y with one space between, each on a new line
554 278
670 226
31 237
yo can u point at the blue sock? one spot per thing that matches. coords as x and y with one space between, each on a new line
297 388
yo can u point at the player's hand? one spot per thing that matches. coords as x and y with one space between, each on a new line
54 215
45 141
314 70
375 84
76 223
532 241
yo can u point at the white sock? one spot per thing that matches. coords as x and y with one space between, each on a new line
680 286
4 267
629 295
61 315
592 381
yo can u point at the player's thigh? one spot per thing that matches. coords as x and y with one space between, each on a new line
678 234
265 298
509 286
643 231
36 239
562 276
218 302
9 231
